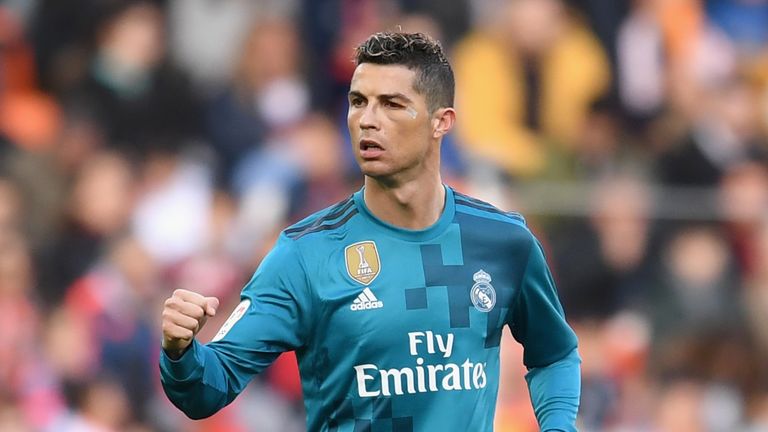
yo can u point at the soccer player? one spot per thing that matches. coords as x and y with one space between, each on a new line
395 298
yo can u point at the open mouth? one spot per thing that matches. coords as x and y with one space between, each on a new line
369 145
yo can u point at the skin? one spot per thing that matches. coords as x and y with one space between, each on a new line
399 154
402 176
184 314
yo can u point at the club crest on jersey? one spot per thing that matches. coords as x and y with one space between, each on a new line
362 261
482 293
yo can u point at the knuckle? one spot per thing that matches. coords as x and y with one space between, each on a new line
170 330
197 313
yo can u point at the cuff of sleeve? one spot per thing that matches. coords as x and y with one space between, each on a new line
185 367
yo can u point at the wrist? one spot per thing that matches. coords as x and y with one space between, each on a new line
175 353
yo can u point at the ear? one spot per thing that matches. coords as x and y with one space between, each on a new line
442 122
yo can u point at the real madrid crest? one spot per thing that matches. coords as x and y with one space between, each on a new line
482 293
362 261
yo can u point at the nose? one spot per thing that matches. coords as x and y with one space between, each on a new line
369 118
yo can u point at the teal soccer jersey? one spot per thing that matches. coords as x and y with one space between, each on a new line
394 329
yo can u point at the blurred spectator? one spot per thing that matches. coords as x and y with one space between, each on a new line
697 318
70 353
323 179
22 369
43 177
205 38
100 406
640 72
98 208
679 408
211 269
132 93
744 203
602 266
756 293
28 118
62 33
698 286
605 18
10 205
279 183
263 97
526 78
171 212
353 21
724 132
16 59
111 300
605 147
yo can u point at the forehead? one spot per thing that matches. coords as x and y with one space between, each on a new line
374 79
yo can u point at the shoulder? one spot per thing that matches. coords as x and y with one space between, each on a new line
325 221
488 225
466 204
291 249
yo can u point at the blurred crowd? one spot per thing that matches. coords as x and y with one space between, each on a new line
147 145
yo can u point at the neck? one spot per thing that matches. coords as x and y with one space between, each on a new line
413 205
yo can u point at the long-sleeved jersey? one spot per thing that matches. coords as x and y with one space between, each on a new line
394 329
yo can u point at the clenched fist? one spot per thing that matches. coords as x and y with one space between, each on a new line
184 314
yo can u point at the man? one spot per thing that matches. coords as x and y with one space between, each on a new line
394 299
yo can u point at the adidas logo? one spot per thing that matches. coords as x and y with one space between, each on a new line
366 300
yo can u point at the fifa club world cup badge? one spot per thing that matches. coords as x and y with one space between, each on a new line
482 293
362 261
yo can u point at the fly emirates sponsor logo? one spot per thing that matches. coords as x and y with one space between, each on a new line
373 381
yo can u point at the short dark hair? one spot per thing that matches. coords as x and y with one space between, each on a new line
418 52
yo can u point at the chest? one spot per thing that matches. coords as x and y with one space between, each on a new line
384 297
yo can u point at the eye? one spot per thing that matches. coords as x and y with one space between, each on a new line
357 102
392 104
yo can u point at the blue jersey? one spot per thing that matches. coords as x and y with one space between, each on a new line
394 329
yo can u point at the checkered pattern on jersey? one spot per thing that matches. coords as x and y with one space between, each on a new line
375 416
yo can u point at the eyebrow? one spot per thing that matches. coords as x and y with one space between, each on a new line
385 96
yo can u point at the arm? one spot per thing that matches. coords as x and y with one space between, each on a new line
555 393
550 347
273 317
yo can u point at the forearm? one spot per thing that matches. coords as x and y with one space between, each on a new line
555 391
197 383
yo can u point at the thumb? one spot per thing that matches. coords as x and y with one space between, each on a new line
211 304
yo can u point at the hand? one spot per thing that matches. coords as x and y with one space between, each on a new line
184 314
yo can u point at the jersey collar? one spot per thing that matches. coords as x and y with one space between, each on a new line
422 235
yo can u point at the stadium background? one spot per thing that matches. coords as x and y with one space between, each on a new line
149 145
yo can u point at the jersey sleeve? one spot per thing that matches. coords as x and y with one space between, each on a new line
537 320
555 391
274 316
549 344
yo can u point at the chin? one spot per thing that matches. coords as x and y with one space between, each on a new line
376 169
